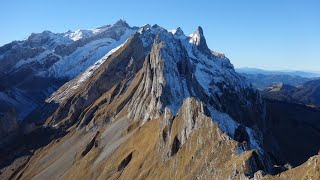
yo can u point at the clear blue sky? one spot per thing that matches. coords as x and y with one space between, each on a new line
270 34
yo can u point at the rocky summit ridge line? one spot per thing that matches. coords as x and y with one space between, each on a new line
154 104
173 67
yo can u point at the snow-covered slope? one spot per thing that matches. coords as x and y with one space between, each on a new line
73 64
88 46
50 59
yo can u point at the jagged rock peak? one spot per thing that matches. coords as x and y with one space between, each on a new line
121 23
192 111
155 26
46 32
197 38
177 32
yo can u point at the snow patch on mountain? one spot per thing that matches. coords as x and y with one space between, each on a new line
79 34
74 84
72 65
254 143
229 126
212 71
39 58
46 39
85 33
194 38
87 73
226 123
102 28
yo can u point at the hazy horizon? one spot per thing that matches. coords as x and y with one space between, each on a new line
269 35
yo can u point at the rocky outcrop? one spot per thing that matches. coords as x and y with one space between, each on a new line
199 40
177 129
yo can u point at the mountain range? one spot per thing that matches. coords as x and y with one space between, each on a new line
121 102
308 74
262 79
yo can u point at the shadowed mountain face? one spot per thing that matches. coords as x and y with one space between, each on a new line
160 105
294 119
296 127
307 93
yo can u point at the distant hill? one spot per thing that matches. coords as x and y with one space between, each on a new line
308 93
247 70
263 81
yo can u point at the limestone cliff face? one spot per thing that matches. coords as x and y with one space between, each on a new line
176 130
146 104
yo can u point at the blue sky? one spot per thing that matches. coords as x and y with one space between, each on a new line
273 34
